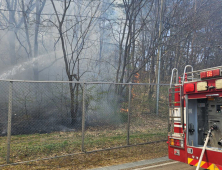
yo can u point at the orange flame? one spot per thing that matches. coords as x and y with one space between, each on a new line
133 94
136 76
123 110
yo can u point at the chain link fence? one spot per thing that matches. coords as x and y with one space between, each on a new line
41 120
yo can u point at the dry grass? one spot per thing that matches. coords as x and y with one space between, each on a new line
38 146
98 159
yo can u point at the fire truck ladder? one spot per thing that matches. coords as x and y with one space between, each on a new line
175 88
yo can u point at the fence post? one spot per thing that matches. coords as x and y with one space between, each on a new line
83 116
157 98
9 121
129 105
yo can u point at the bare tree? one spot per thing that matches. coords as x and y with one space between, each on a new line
19 15
32 51
14 22
39 7
73 36
130 29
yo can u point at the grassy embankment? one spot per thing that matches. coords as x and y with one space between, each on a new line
37 146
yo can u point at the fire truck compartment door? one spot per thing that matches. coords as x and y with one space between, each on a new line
215 120
192 122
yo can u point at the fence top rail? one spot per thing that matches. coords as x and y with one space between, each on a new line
79 82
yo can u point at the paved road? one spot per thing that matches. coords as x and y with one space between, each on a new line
170 165
153 164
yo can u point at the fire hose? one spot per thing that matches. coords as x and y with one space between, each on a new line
205 145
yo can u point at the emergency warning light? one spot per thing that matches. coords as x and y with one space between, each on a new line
189 87
210 73
176 142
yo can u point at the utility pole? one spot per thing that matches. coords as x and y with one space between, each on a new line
159 58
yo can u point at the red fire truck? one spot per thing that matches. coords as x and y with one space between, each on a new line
195 117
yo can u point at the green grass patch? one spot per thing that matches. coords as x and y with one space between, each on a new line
36 146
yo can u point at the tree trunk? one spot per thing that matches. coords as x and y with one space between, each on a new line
12 53
35 68
72 105
11 37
